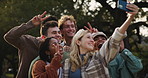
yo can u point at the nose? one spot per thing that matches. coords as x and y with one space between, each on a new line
70 28
100 39
59 36
92 40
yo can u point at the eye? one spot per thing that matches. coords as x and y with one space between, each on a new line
59 32
72 26
55 43
54 32
66 26
103 39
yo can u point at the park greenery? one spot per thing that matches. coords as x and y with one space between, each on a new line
103 15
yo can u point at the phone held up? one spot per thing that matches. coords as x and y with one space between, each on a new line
122 5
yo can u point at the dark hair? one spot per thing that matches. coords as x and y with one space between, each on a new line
48 24
50 18
43 48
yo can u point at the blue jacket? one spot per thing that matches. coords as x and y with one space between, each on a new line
125 65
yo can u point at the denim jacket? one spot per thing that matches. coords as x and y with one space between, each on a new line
125 65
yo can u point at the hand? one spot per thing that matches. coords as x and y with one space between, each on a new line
92 30
66 48
56 60
36 21
58 48
133 8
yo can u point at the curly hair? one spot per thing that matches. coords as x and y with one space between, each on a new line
63 19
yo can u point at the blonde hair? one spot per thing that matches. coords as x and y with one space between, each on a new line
64 18
75 58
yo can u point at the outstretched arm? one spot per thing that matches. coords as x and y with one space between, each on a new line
111 47
131 15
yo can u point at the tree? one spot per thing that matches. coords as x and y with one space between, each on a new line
103 17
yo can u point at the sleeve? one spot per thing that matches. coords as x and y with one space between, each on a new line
41 70
14 36
111 47
133 63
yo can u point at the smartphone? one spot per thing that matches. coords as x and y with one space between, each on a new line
122 5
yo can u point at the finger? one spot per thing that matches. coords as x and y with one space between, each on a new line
34 18
38 18
90 27
55 47
44 18
86 28
132 7
60 49
42 15
58 55
94 30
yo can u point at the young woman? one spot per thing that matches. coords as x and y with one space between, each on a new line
83 63
48 66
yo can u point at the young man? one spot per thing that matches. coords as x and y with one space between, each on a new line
27 45
68 27
125 64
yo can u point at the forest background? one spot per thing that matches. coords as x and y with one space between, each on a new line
102 14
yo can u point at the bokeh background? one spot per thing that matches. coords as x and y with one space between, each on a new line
102 14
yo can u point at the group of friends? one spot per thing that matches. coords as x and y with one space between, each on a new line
62 51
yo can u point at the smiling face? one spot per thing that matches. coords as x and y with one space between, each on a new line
54 32
69 29
53 43
99 40
86 43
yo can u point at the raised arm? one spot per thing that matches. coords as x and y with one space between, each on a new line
15 35
111 47
131 15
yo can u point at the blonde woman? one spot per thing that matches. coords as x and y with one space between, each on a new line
83 63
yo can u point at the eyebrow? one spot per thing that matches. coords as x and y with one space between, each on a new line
55 31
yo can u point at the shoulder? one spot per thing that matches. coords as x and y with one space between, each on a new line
39 63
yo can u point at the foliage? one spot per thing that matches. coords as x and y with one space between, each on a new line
104 17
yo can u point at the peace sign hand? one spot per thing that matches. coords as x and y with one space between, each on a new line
92 30
36 20
56 61
58 49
